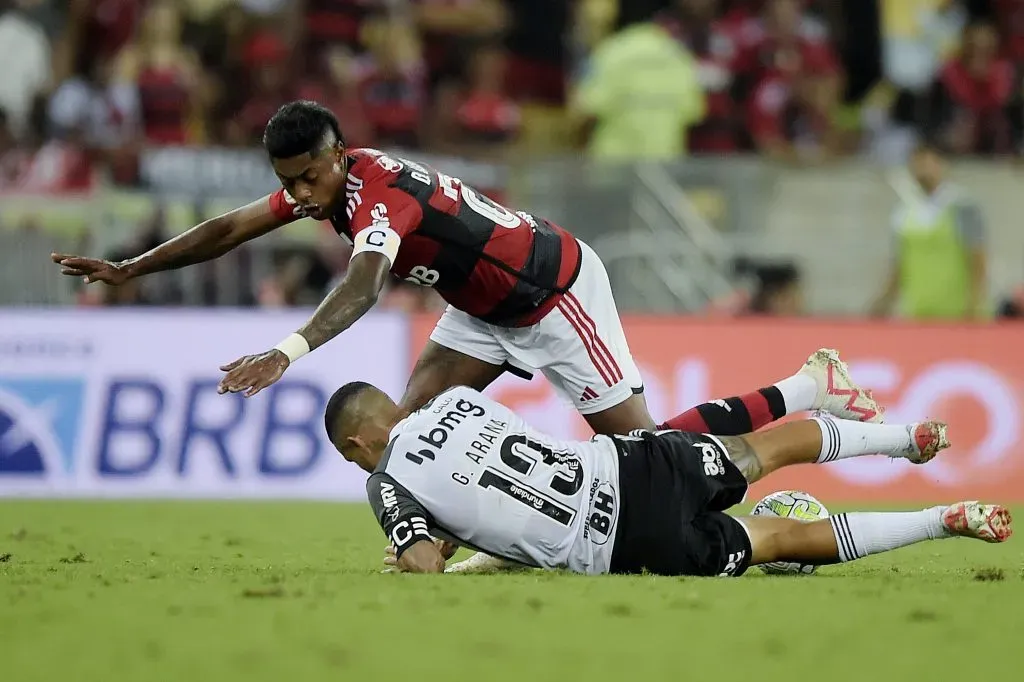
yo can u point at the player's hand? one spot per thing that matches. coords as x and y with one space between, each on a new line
253 373
447 549
394 565
92 269
390 560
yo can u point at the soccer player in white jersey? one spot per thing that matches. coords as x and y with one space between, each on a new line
469 471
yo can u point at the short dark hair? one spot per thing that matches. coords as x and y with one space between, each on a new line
299 127
339 401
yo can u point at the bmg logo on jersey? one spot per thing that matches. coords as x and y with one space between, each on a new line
39 425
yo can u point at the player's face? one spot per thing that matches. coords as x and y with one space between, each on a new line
315 181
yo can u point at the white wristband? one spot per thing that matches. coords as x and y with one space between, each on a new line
295 346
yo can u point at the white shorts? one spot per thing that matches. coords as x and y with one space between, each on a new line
579 346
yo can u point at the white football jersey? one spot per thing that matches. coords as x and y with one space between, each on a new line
488 480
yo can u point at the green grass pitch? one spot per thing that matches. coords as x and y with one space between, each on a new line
226 592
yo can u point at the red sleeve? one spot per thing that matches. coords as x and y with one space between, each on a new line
284 207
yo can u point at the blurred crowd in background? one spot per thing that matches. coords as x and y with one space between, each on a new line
86 84
795 79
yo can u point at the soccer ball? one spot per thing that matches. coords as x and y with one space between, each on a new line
790 504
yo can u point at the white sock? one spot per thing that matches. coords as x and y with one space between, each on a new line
799 391
841 438
862 533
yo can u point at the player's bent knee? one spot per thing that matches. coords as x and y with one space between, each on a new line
771 539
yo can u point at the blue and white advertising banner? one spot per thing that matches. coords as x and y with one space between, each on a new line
123 404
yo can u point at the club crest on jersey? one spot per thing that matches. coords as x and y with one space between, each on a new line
389 164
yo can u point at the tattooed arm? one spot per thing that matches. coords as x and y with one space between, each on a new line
356 294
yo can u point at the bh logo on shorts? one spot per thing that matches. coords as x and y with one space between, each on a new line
39 420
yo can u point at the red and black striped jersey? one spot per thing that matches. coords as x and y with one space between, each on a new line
504 267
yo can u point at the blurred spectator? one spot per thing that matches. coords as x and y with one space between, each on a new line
917 37
327 23
167 76
449 25
1010 19
95 30
969 105
939 268
476 118
1012 307
639 96
784 41
792 119
715 43
268 86
393 80
25 59
339 91
537 51
90 109
778 292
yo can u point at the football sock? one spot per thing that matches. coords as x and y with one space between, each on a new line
841 438
733 416
859 534
799 392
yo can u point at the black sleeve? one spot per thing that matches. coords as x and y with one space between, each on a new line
402 517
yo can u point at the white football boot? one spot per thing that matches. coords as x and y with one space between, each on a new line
988 522
926 439
837 393
484 563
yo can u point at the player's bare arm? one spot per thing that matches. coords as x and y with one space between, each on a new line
356 294
349 301
208 240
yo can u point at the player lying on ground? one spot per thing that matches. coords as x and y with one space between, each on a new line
524 294
470 471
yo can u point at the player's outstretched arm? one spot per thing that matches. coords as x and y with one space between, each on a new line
356 294
208 240
350 300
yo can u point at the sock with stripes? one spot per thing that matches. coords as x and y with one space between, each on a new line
841 439
859 534
732 416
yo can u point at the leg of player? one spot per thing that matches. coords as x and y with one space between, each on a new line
440 368
823 383
823 439
846 537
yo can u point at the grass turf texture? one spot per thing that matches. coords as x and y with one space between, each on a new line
247 591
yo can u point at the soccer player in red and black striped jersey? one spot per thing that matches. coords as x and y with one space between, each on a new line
524 294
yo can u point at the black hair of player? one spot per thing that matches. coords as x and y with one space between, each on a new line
339 401
301 127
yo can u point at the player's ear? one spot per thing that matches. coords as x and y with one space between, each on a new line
356 442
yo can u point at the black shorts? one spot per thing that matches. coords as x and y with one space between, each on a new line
675 486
